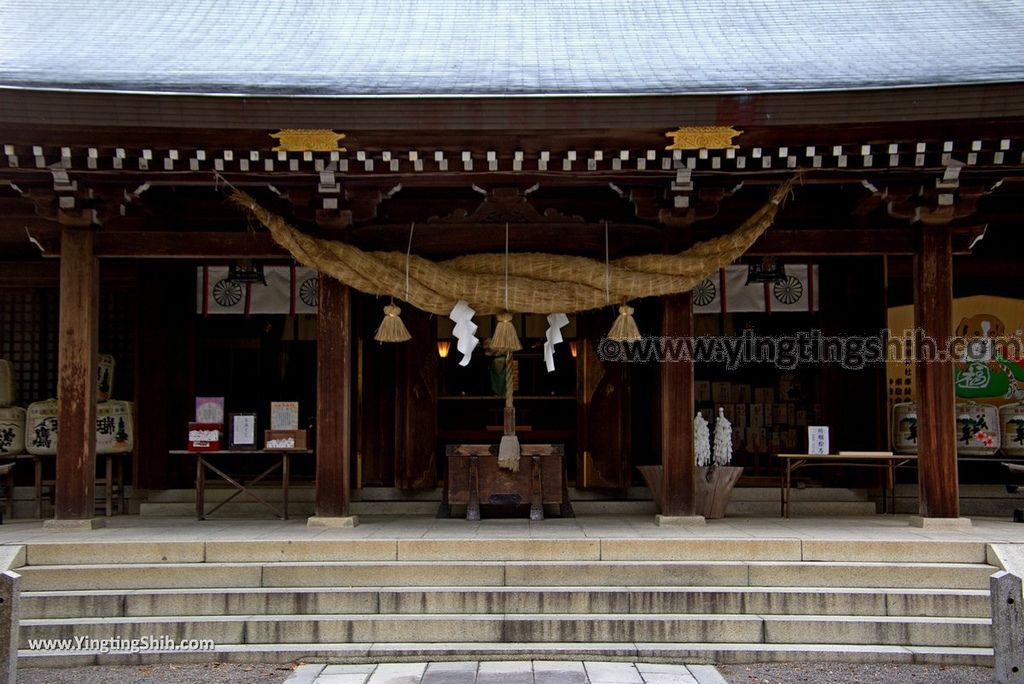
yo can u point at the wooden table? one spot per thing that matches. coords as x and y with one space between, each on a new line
474 478
112 482
282 463
861 459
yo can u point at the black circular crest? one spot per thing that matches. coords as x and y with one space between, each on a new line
309 291
788 291
227 292
704 293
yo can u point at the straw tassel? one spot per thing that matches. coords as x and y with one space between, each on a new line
505 340
624 329
508 450
392 329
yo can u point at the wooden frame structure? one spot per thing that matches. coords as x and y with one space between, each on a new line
884 173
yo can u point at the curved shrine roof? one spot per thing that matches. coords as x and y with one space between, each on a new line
506 47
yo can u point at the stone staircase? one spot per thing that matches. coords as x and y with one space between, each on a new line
649 599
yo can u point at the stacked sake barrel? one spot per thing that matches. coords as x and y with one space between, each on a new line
115 431
12 418
1011 418
981 429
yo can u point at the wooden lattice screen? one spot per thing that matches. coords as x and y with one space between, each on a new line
28 339
117 337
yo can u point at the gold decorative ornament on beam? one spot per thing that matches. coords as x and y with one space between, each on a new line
308 140
703 138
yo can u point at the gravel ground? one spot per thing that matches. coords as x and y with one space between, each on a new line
767 673
213 673
847 673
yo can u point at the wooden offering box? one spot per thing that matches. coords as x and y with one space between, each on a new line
276 440
204 436
474 478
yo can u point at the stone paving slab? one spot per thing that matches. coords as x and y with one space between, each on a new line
508 672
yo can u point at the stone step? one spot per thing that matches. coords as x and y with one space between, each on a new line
725 653
498 549
525 627
772 494
892 630
995 507
798 507
296 492
305 492
630 494
499 600
241 508
737 508
967 491
507 573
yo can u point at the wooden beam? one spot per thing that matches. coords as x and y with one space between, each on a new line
936 403
578 238
852 242
965 266
76 381
676 390
333 398
219 122
192 245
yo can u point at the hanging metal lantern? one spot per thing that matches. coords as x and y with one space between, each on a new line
770 270
246 271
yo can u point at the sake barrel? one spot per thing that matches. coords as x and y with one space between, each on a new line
12 431
904 428
977 429
115 431
1011 418
6 383
104 377
41 428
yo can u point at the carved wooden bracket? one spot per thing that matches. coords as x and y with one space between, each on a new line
75 207
702 205
647 202
334 207
363 202
509 205
939 206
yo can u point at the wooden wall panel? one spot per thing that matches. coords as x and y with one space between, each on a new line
604 427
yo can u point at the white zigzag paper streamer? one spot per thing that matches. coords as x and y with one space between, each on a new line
465 330
553 335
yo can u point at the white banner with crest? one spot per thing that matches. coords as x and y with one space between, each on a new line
797 292
289 290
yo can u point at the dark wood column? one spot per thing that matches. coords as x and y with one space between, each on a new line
676 389
333 398
76 379
936 402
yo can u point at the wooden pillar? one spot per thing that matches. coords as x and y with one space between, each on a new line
333 398
676 389
76 379
936 402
